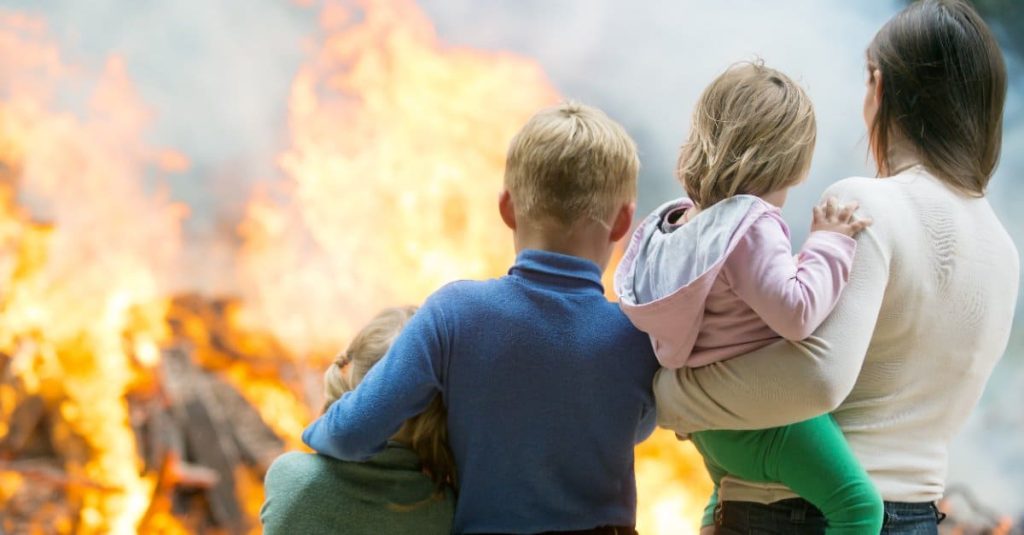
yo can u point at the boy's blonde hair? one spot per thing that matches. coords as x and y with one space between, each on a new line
568 162
427 432
753 132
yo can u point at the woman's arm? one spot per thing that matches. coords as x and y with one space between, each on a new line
785 382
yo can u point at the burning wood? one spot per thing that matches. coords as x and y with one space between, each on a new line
194 433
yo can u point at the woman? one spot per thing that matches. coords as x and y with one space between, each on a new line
927 314
406 489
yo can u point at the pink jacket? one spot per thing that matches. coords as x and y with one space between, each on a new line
726 283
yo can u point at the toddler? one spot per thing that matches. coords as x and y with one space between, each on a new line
713 277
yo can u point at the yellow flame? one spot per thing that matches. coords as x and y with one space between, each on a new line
672 486
250 495
396 159
83 290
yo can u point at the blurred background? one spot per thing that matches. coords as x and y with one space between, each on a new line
233 188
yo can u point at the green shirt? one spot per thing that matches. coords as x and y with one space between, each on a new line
312 494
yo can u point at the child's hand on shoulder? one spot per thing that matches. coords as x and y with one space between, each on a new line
833 217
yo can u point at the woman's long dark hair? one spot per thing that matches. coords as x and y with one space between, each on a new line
943 89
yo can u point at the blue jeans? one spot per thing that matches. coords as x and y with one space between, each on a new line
799 517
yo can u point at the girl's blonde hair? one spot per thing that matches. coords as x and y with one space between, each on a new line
426 433
753 132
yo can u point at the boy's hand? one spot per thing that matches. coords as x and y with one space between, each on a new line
832 217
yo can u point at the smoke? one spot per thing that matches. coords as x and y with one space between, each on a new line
218 73
216 76
646 65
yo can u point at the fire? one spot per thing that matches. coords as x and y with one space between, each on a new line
250 361
672 486
396 158
85 253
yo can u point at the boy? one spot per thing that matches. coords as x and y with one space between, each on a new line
547 384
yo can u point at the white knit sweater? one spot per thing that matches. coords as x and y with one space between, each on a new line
902 360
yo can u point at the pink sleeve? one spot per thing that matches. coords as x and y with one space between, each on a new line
792 296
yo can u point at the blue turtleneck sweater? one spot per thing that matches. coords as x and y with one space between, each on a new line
547 386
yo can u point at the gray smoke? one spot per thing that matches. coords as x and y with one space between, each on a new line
218 73
217 77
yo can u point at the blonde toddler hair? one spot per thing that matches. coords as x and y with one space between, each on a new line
571 162
753 132
427 432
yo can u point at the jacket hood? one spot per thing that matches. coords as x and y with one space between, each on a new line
668 269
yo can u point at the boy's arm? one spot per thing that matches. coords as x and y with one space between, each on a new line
648 422
400 386
786 382
792 296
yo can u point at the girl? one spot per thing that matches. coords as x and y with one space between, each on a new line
713 277
407 488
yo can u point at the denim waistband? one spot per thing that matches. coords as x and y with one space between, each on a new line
911 507
901 511
896 507
800 510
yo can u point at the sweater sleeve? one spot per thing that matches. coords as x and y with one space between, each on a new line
398 387
785 382
793 296
648 423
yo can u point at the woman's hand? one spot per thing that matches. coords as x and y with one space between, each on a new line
832 217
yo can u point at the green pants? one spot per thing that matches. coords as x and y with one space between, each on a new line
812 458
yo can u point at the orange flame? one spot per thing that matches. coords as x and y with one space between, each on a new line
83 294
397 152
672 486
